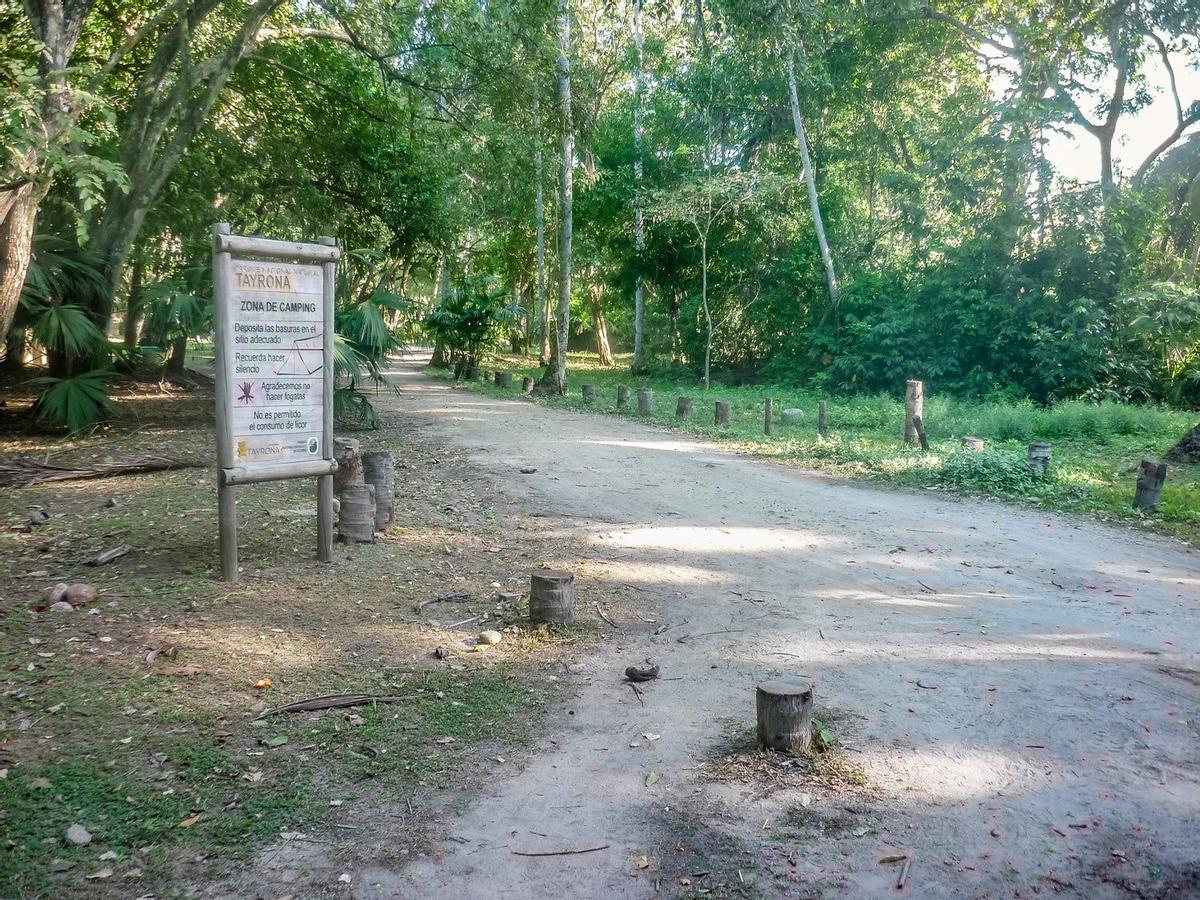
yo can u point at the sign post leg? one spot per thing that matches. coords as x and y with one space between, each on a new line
325 518
227 524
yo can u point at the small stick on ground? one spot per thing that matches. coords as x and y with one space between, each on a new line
637 693
688 637
604 616
559 852
903 874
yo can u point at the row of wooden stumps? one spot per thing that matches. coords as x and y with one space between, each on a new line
1038 455
365 485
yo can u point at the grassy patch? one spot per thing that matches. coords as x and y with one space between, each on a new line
1097 446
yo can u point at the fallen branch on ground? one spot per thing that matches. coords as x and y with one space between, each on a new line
334 701
559 852
22 471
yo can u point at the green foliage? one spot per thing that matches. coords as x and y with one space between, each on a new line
73 402
474 318
999 473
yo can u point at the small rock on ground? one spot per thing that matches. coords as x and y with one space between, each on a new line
489 637
78 835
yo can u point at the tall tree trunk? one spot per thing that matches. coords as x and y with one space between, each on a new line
161 124
438 360
639 223
14 350
133 307
539 206
600 327
811 181
673 325
18 214
565 198
707 314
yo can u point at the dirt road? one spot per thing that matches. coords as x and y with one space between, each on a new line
1020 688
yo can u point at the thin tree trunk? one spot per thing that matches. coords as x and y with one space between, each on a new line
600 327
438 360
133 307
707 315
566 197
673 325
639 223
14 350
539 200
810 180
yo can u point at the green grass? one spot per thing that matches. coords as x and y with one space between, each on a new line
1097 446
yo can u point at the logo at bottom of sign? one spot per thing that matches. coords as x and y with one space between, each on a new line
263 449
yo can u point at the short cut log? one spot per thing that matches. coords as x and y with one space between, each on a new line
785 715
552 597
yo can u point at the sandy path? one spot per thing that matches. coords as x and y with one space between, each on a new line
1043 639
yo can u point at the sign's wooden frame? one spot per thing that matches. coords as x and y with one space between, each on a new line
229 475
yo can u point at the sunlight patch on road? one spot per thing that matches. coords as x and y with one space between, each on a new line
946 772
666 446
700 539
647 575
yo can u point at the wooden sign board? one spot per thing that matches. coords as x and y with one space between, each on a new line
273 304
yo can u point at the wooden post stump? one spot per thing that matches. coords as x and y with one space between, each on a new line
785 715
504 380
379 471
721 413
356 515
919 427
683 407
768 415
822 418
589 393
645 401
488 375
1150 479
527 385
622 396
552 597
914 405
1037 457
974 444
348 453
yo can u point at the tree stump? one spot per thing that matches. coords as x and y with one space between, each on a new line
356 516
785 715
622 396
974 444
914 405
527 385
683 408
348 453
645 401
589 393
552 597
504 380
768 415
822 418
1151 476
1037 457
721 413
379 471
919 427
489 375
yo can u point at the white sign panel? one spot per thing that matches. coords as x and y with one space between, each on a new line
274 368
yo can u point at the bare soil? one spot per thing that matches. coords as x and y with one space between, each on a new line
1019 689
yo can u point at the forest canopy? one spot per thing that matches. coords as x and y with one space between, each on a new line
842 195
